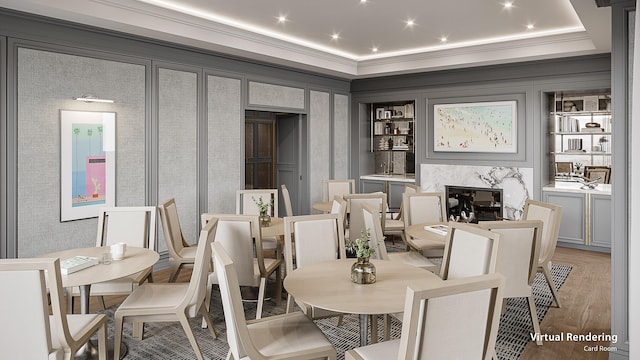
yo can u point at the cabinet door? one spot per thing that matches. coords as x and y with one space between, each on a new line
601 220
572 224
395 195
370 186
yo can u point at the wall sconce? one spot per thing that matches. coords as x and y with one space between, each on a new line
91 98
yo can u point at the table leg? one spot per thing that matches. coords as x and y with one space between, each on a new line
364 329
90 350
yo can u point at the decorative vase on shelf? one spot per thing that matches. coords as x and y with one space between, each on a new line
265 219
363 272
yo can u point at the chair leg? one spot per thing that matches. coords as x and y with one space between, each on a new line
552 286
278 286
102 342
387 327
206 318
261 291
101 301
534 317
138 330
175 270
374 329
117 335
289 303
207 304
192 339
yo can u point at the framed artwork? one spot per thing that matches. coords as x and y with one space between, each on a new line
87 164
483 127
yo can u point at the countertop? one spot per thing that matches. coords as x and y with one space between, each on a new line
575 187
409 178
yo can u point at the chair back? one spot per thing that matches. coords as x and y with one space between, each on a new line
318 238
372 221
133 225
237 332
355 202
455 319
469 251
331 188
236 233
246 201
550 216
24 308
287 200
427 207
519 248
197 290
171 227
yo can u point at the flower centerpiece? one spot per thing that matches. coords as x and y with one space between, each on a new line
362 271
265 209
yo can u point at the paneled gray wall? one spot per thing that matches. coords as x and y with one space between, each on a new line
340 136
225 151
47 83
178 147
319 143
276 96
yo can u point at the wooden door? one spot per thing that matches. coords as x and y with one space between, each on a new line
259 153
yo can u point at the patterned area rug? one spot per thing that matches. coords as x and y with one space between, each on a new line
168 340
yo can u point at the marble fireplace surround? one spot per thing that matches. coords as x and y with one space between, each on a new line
516 183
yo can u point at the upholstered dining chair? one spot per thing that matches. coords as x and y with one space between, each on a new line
171 302
237 234
355 202
28 331
394 225
372 222
518 263
424 207
550 216
287 336
317 238
331 188
286 200
469 251
181 253
133 225
454 319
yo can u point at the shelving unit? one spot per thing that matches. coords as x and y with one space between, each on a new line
392 126
581 130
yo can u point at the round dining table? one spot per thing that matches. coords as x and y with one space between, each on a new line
135 259
323 206
328 285
423 239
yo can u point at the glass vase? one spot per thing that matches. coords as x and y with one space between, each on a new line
265 219
363 272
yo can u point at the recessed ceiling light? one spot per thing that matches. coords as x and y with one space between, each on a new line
374 49
508 5
282 19
530 26
335 36
443 39
410 22
363 1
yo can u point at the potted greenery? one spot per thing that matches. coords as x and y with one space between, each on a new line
265 209
362 271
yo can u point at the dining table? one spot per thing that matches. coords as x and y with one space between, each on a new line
327 285
135 259
425 239
323 206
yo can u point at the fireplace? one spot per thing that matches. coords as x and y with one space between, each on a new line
486 204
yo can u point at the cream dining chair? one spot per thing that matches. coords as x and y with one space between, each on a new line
27 330
394 226
372 222
287 336
424 207
171 302
133 225
469 251
518 263
246 205
331 188
286 198
237 234
454 319
181 253
318 238
355 202
550 216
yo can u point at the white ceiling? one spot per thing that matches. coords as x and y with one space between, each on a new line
478 32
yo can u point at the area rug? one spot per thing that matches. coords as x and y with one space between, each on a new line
168 340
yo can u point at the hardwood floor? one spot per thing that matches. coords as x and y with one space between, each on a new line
586 307
585 297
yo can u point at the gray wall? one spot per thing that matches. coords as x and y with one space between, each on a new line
180 124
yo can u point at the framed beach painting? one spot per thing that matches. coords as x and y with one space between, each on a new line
483 127
87 164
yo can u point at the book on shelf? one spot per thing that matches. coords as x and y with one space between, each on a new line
77 263
438 229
